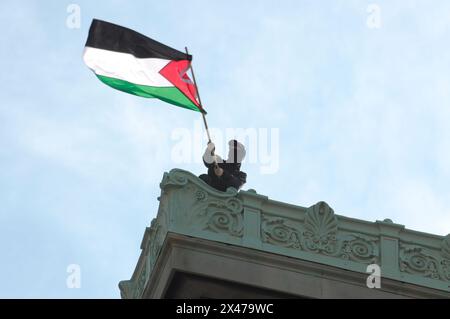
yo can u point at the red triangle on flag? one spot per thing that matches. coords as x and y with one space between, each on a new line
175 73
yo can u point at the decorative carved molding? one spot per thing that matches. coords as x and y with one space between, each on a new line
220 215
152 244
190 206
155 242
359 248
418 260
200 206
320 229
319 234
141 281
178 178
174 178
275 231
445 246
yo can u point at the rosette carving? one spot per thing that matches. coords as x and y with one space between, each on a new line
276 232
420 261
224 216
359 248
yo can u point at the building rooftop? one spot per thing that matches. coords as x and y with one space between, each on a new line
311 242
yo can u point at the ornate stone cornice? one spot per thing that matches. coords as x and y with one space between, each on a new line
319 234
190 207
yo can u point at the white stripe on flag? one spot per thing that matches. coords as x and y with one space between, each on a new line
124 66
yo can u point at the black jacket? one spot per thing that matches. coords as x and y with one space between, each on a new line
232 175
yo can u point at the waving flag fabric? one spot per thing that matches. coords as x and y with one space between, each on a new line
131 62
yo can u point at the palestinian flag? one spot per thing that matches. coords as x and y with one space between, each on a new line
131 62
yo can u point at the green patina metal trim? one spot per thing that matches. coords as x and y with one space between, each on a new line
189 206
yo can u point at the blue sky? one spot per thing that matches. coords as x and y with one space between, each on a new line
363 117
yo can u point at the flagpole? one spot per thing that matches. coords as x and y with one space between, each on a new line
199 99
202 110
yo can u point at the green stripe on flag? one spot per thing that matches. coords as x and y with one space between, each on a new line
168 94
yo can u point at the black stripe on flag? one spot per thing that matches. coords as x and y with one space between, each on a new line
112 37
